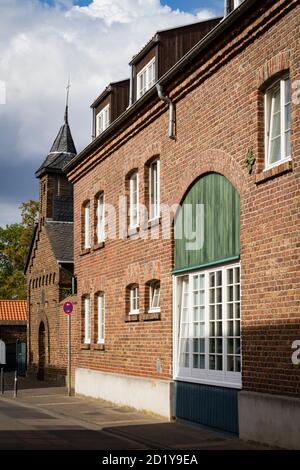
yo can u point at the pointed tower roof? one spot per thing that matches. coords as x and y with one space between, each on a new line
62 150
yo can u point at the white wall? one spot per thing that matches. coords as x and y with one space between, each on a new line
155 396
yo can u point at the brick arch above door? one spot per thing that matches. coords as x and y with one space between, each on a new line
212 161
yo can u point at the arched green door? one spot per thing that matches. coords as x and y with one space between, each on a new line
207 227
207 343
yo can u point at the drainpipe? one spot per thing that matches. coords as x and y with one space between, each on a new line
94 124
172 117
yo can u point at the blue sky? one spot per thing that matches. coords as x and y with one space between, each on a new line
40 47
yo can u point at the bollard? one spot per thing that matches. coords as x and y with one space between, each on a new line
2 381
16 385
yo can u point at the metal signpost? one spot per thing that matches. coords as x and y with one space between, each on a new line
68 309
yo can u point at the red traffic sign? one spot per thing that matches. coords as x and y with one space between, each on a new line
68 308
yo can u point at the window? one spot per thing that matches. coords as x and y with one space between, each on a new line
154 297
101 317
100 218
134 200
278 122
146 78
102 120
154 189
87 319
87 226
208 343
134 300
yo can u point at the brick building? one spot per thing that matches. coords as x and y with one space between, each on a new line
13 331
49 267
194 316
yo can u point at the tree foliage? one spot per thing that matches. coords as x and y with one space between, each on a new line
15 241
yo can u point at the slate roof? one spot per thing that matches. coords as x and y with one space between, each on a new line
60 235
61 152
13 310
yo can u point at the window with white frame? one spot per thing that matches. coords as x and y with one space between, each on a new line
154 297
134 307
207 326
87 319
87 226
134 200
102 120
101 317
278 122
146 78
154 190
100 218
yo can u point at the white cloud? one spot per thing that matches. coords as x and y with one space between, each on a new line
40 45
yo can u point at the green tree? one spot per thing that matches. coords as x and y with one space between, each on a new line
15 241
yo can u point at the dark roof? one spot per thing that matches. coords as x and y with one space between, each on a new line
62 150
60 235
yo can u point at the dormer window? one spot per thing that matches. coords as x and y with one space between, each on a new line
146 78
102 120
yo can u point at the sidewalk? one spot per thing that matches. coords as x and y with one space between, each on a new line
50 410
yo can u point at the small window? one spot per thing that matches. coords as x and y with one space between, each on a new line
100 218
146 78
101 317
87 226
87 319
134 200
154 190
154 297
102 120
278 122
134 300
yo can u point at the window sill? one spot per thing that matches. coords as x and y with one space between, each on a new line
85 346
99 347
132 231
98 246
154 222
132 318
151 316
277 170
85 251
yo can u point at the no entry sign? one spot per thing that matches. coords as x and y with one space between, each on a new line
68 308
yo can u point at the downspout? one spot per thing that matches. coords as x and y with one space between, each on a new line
94 124
172 116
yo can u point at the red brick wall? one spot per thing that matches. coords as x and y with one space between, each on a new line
219 118
45 308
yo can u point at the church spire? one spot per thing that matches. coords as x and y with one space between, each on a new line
63 148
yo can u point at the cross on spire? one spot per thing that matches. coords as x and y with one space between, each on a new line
67 100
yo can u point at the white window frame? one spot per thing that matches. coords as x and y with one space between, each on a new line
87 319
102 120
147 75
100 218
134 299
87 225
134 201
268 105
101 317
154 285
223 377
154 193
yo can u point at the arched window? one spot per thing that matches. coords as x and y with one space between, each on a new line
207 283
132 299
152 300
100 218
100 318
86 225
86 317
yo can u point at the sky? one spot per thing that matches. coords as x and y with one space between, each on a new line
42 42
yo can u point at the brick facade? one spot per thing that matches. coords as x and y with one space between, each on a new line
219 118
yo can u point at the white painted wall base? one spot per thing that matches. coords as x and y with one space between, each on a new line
152 395
270 419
